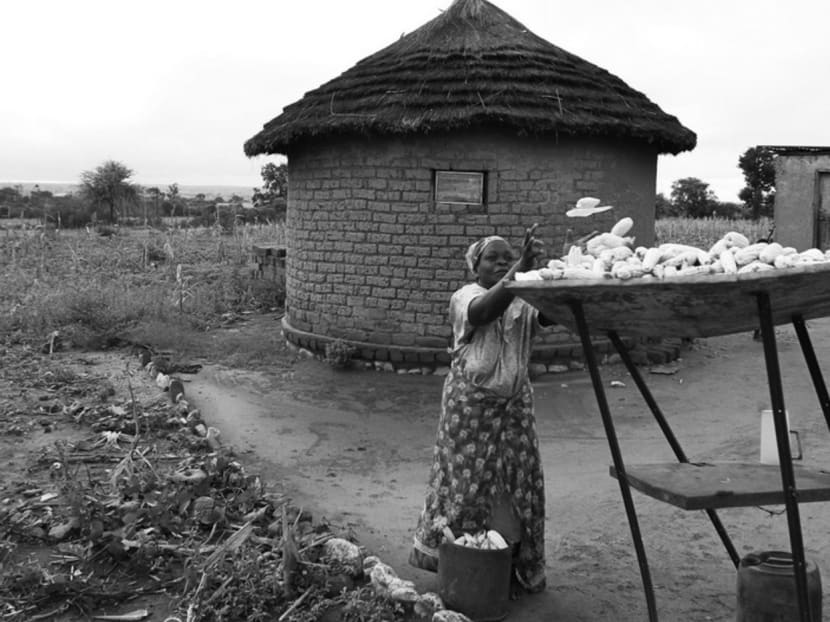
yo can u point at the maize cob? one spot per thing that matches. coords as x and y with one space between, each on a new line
755 266
812 254
622 227
787 261
772 250
727 260
692 270
749 253
736 240
651 258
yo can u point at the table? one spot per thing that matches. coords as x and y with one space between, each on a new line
701 306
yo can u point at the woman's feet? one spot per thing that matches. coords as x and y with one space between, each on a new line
519 588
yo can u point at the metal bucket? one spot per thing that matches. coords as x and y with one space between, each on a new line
766 588
475 582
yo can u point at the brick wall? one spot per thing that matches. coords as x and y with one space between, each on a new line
373 259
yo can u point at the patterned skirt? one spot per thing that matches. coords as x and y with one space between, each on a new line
486 450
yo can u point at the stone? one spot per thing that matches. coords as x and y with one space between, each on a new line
537 369
613 359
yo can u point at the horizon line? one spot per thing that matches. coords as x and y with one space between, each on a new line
78 183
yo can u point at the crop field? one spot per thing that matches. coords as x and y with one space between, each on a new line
703 232
155 284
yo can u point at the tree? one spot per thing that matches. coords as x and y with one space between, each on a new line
663 208
759 173
730 210
154 196
174 198
108 186
693 198
275 185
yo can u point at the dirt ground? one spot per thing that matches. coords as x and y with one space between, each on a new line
355 446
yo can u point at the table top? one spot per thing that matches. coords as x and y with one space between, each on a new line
689 306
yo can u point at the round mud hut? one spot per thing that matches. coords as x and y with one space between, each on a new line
469 126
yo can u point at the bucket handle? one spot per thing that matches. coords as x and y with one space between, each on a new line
800 453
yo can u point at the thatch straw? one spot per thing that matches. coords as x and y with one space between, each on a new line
473 66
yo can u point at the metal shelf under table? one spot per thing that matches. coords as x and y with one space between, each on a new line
708 485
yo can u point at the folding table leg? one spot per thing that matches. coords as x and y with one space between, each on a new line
813 366
616 455
782 436
670 437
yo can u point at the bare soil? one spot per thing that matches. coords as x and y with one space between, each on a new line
354 446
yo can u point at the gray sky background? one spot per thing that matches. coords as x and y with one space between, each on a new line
172 88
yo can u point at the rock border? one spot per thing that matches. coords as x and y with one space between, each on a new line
546 358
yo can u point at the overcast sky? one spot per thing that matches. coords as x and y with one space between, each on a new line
173 88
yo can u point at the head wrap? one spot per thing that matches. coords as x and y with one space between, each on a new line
476 250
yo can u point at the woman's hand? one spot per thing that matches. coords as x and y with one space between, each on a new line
529 253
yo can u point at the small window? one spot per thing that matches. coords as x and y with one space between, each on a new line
460 187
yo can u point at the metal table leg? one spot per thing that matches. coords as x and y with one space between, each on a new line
616 455
782 436
813 366
670 437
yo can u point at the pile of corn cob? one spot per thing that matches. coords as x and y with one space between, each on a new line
613 255
488 540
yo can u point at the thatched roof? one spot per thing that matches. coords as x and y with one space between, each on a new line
473 66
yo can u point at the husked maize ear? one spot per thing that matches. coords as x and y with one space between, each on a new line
612 255
622 227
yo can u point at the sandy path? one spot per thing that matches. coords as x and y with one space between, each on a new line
355 447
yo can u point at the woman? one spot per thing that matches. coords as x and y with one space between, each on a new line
486 471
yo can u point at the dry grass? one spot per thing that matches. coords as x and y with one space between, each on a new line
94 289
